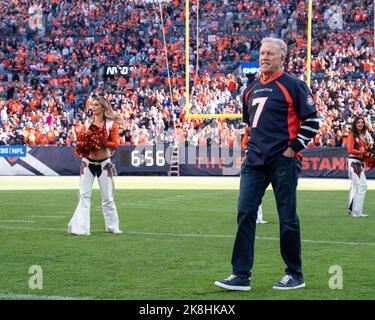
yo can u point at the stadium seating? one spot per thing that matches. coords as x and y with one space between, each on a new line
54 55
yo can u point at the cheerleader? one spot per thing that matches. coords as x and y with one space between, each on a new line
359 142
99 135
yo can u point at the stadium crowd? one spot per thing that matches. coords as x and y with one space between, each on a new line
54 55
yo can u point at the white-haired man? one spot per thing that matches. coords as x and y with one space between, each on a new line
282 119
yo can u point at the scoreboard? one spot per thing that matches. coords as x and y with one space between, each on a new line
148 159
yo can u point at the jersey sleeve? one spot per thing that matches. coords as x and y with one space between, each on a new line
304 101
306 109
308 130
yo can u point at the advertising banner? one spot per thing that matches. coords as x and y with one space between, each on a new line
157 159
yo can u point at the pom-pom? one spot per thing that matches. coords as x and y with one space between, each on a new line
369 159
90 140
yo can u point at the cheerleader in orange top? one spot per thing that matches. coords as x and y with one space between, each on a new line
99 135
260 209
359 141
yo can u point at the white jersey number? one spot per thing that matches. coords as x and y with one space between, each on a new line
260 102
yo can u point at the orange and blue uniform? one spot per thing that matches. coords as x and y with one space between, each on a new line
280 112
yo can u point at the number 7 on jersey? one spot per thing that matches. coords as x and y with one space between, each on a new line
260 102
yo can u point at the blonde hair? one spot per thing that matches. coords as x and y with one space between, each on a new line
109 113
282 45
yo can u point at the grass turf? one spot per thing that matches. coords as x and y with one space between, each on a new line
176 244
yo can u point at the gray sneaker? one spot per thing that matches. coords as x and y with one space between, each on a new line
289 282
234 283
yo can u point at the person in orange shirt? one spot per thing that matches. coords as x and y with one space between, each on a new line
143 136
98 163
345 134
359 141
51 136
50 58
44 140
30 138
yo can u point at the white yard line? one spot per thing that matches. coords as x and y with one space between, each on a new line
196 235
54 217
22 221
31 228
39 297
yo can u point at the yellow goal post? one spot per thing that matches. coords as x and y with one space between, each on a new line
188 115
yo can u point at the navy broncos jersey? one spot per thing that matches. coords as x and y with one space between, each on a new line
274 110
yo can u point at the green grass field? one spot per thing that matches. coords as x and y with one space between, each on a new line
177 242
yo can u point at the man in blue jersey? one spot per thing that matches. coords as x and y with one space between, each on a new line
282 118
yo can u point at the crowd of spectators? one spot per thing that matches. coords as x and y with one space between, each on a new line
54 55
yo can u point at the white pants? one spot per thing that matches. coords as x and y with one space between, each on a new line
358 187
80 222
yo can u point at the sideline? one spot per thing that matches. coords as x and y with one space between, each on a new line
157 182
